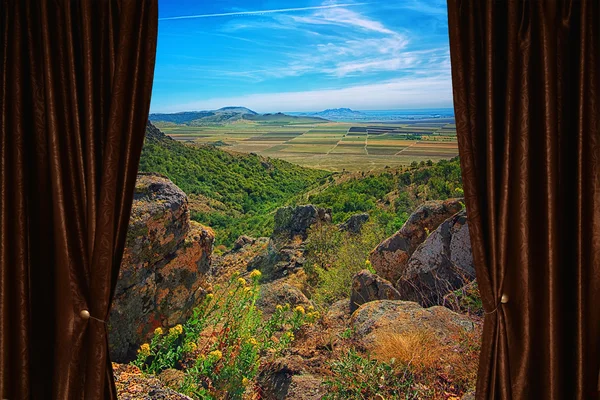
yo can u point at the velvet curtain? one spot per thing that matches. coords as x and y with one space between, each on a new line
76 80
525 76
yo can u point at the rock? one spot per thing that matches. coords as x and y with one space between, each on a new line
339 311
172 377
279 292
296 221
164 263
440 265
285 379
132 384
355 223
390 257
368 287
242 241
374 320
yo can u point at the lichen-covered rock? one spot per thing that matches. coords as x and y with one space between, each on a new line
441 264
355 223
390 257
296 221
368 287
279 292
374 320
133 384
285 379
339 311
164 263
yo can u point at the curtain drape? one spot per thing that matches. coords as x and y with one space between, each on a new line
76 80
525 77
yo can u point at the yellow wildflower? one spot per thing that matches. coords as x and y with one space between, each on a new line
247 289
245 381
253 341
287 306
216 354
176 330
310 309
158 331
201 357
368 262
231 292
279 307
241 281
144 349
210 296
255 274
191 346
299 309
289 335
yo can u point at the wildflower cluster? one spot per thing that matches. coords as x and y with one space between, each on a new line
220 346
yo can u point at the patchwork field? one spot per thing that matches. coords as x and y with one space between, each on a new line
332 146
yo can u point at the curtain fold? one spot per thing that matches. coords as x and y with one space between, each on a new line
526 88
76 79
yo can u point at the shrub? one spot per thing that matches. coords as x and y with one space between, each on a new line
220 346
357 377
334 257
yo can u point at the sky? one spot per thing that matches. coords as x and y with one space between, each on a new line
302 55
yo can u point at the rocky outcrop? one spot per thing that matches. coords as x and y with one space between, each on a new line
355 223
441 264
291 222
377 319
390 257
165 260
133 384
368 287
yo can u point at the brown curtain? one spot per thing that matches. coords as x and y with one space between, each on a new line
76 79
527 100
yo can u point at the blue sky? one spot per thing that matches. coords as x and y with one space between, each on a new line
301 55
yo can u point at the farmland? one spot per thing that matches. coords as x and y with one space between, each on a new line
333 146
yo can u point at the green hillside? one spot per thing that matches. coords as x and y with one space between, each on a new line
234 192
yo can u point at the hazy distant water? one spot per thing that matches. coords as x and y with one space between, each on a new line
404 115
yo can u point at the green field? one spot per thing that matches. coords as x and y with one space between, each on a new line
333 146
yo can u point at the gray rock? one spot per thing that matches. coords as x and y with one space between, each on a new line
355 223
441 264
296 221
368 287
390 257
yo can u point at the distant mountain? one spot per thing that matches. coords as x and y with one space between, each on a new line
338 113
227 115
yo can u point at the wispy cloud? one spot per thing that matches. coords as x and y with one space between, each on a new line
398 93
281 10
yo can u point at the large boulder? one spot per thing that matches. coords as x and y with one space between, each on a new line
441 264
291 222
163 269
376 320
355 223
390 257
368 287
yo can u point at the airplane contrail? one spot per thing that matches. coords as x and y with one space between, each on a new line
260 12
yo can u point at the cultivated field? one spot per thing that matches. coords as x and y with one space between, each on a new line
332 146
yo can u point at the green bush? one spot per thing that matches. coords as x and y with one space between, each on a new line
220 346
334 257
357 377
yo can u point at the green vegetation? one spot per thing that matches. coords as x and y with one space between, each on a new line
390 197
244 188
219 351
356 377
334 257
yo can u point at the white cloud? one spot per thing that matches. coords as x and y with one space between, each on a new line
410 92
